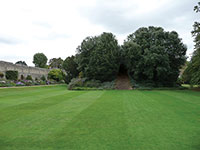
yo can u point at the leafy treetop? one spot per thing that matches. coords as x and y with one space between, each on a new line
40 60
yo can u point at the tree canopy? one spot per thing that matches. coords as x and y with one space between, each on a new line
71 68
56 74
155 56
55 63
192 72
98 57
40 60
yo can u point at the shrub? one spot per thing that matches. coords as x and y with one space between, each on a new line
107 85
2 83
29 77
1 75
28 83
7 83
85 84
92 83
76 82
43 78
12 75
56 74
20 84
43 83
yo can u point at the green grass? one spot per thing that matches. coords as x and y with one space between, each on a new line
54 118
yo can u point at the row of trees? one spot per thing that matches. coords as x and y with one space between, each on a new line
57 64
151 55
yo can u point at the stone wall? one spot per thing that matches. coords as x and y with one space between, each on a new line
23 70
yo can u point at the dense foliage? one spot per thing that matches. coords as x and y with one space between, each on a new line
43 78
29 77
154 56
55 63
84 84
1 75
40 60
21 63
71 68
98 57
12 75
56 74
192 72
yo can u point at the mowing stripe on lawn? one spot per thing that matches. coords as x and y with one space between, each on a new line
101 126
53 118
170 120
41 123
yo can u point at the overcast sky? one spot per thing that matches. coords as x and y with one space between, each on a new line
57 27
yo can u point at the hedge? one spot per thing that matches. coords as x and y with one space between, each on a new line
12 75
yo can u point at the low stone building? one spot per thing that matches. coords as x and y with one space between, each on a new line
23 70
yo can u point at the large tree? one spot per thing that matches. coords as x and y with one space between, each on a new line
192 72
40 60
154 56
55 63
98 57
71 68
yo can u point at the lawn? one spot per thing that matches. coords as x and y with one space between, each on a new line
54 118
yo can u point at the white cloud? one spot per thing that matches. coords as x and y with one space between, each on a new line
57 27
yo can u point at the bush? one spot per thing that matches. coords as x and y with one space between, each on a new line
56 74
29 77
27 82
20 84
1 75
12 75
2 83
92 83
7 83
107 85
76 82
85 84
43 78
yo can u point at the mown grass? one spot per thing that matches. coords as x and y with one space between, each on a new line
54 118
